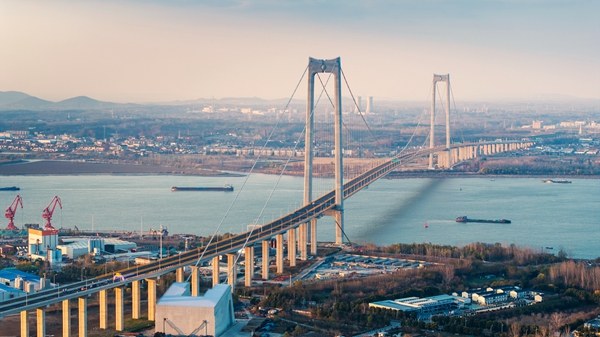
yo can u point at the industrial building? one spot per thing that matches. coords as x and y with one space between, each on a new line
7 292
73 247
428 305
178 313
15 283
42 244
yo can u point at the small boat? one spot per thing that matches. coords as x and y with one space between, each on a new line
426 225
12 188
549 247
226 188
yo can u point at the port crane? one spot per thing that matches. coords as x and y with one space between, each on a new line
10 212
48 211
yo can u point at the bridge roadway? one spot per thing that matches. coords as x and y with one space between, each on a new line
230 245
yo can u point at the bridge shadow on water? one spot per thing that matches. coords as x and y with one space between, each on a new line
395 211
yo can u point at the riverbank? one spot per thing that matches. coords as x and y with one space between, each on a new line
93 168
66 167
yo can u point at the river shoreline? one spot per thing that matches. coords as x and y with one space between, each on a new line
50 167
66 167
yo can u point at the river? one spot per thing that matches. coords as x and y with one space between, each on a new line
561 216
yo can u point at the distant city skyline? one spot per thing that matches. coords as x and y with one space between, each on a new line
156 51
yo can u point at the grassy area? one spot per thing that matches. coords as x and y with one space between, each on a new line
131 325
478 282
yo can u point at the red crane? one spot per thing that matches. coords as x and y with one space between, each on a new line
47 212
10 212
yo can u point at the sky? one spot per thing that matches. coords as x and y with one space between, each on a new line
156 51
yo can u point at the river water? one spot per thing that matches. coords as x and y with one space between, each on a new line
561 216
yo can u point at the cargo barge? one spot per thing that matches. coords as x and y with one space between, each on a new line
550 181
226 188
464 218
12 188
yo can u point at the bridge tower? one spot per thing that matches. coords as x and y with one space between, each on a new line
440 78
332 66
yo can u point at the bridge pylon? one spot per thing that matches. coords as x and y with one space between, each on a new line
332 66
448 156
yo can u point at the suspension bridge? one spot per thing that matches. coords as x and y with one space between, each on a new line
299 226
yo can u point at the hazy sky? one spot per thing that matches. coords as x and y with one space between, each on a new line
147 51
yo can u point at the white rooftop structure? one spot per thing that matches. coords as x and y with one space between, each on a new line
74 247
181 313
426 305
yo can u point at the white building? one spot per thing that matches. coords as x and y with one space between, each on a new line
74 247
43 245
428 305
178 313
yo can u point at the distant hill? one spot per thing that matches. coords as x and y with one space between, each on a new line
14 100
8 97
83 102
28 103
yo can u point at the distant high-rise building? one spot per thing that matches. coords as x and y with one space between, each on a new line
357 105
369 105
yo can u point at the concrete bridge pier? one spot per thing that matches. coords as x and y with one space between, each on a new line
279 255
135 299
195 281
40 314
216 271
338 216
454 157
179 274
24 323
249 265
231 271
303 241
119 310
265 258
103 309
66 318
313 236
82 315
442 159
292 247
151 298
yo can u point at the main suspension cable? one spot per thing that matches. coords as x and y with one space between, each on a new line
248 175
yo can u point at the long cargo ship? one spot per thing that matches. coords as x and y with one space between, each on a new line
550 181
464 218
12 188
226 188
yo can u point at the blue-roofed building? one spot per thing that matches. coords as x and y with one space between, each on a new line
8 292
19 279
594 323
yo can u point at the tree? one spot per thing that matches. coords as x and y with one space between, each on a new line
514 330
